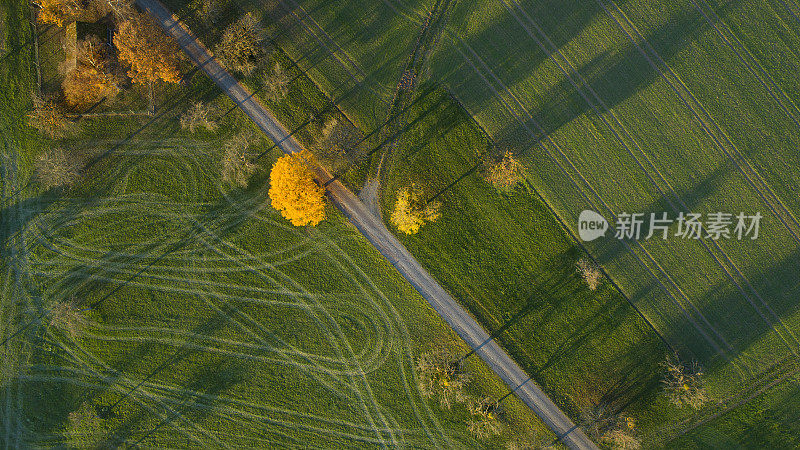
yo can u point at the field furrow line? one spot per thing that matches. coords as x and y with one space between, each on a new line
671 78
746 57
360 78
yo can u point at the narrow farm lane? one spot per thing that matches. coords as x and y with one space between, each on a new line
373 228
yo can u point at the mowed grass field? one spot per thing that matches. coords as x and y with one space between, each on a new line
634 107
204 317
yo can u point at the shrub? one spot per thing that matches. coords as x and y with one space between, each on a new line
276 84
505 174
48 118
590 273
67 316
486 418
684 385
236 166
440 373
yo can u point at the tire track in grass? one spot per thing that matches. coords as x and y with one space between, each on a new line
129 390
702 115
392 317
243 255
142 333
541 134
339 343
18 289
729 38
593 100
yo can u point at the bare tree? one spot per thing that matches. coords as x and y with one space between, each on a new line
684 384
486 414
276 83
611 427
590 273
339 143
236 165
441 374
241 45
53 169
199 115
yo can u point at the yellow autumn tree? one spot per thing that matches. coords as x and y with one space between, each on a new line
411 211
151 54
91 80
60 12
294 192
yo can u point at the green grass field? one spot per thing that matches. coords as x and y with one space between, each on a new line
205 318
617 107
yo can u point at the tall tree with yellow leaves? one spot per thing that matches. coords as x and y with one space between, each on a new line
294 192
91 80
151 54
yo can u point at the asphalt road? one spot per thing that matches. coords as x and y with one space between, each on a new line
373 228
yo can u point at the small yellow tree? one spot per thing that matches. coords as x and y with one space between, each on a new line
91 80
411 211
151 54
294 192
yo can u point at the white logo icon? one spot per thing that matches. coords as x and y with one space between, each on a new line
591 225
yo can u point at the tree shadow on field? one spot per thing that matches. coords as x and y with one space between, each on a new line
505 45
201 393
741 308
614 77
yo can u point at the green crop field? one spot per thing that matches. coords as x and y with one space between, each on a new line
627 106
203 318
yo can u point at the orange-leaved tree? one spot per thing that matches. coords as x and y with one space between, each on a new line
91 80
60 12
151 54
294 192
